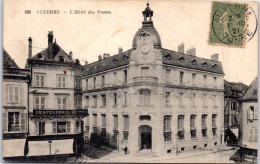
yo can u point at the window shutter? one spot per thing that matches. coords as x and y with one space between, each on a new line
255 114
5 122
255 135
37 127
251 115
10 94
23 122
64 102
43 102
68 127
42 80
6 95
251 133
54 127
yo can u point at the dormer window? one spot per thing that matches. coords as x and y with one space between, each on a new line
115 60
193 61
61 59
77 61
168 56
181 59
214 66
125 57
204 64
39 56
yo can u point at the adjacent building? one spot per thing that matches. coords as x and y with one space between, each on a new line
149 97
248 124
15 107
55 94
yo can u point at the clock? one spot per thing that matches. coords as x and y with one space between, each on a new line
145 49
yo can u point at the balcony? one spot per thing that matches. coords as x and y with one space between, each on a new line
145 79
57 113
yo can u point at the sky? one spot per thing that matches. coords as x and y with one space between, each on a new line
89 35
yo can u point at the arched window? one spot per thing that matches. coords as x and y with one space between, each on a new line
61 59
144 97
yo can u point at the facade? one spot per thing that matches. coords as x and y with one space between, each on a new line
55 111
15 107
248 128
149 97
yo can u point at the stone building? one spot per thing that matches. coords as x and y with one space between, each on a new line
15 107
55 109
248 123
149 97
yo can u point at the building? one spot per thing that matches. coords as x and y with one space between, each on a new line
233 91
56 116
149 97
15 107
248 123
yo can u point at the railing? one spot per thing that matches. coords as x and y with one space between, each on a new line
145 79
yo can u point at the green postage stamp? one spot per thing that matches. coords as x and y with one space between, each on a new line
227 25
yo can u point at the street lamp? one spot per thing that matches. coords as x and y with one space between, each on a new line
50 142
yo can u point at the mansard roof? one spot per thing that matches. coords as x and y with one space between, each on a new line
252 92
111 62
189 61
8 62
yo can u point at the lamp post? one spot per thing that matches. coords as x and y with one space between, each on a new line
50 142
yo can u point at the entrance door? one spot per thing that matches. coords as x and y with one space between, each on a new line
146 141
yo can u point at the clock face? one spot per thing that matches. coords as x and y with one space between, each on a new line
145 49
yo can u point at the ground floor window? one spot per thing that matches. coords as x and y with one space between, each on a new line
193 134
181 135
61 127
214 131
40 128
103 132
125 135
13 121
115 132
167 136
95 130
204 132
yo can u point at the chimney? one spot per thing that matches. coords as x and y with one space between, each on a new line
30 47
191 51
70 55
181 48
99 57
50 48
214 57
86 62
120 50
105 55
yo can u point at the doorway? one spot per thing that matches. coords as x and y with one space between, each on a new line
145 137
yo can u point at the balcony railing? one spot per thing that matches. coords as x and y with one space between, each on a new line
16 71
145 79
59 112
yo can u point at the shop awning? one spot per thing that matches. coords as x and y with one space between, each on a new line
42 148
13 148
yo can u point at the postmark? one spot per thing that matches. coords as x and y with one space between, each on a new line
251 25
228 24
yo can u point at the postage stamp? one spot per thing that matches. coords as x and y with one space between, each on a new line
227 24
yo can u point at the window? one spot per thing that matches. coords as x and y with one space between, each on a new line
13 121
167 128
204 125
61 102
167 98
126 127
77 127
38 102
61 127
77 82
94 120
252 134
61 81
103 128
145 98
103 100
103 80
115 126
87 124
145 117
13 95
214 81
125 76
205 80
86 84
40 128
181 77
125 96
145 71
214 126
181 99
94 82
78 102
180 127
193 126
167 75
115 99
94 101
194 79
87 101
39 80
194 100
252 114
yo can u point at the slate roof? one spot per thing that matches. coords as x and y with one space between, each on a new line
252 91
189 61
8 62
233 89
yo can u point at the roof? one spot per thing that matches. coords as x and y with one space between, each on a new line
233 89
112 62
8 62
252 91
189 61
